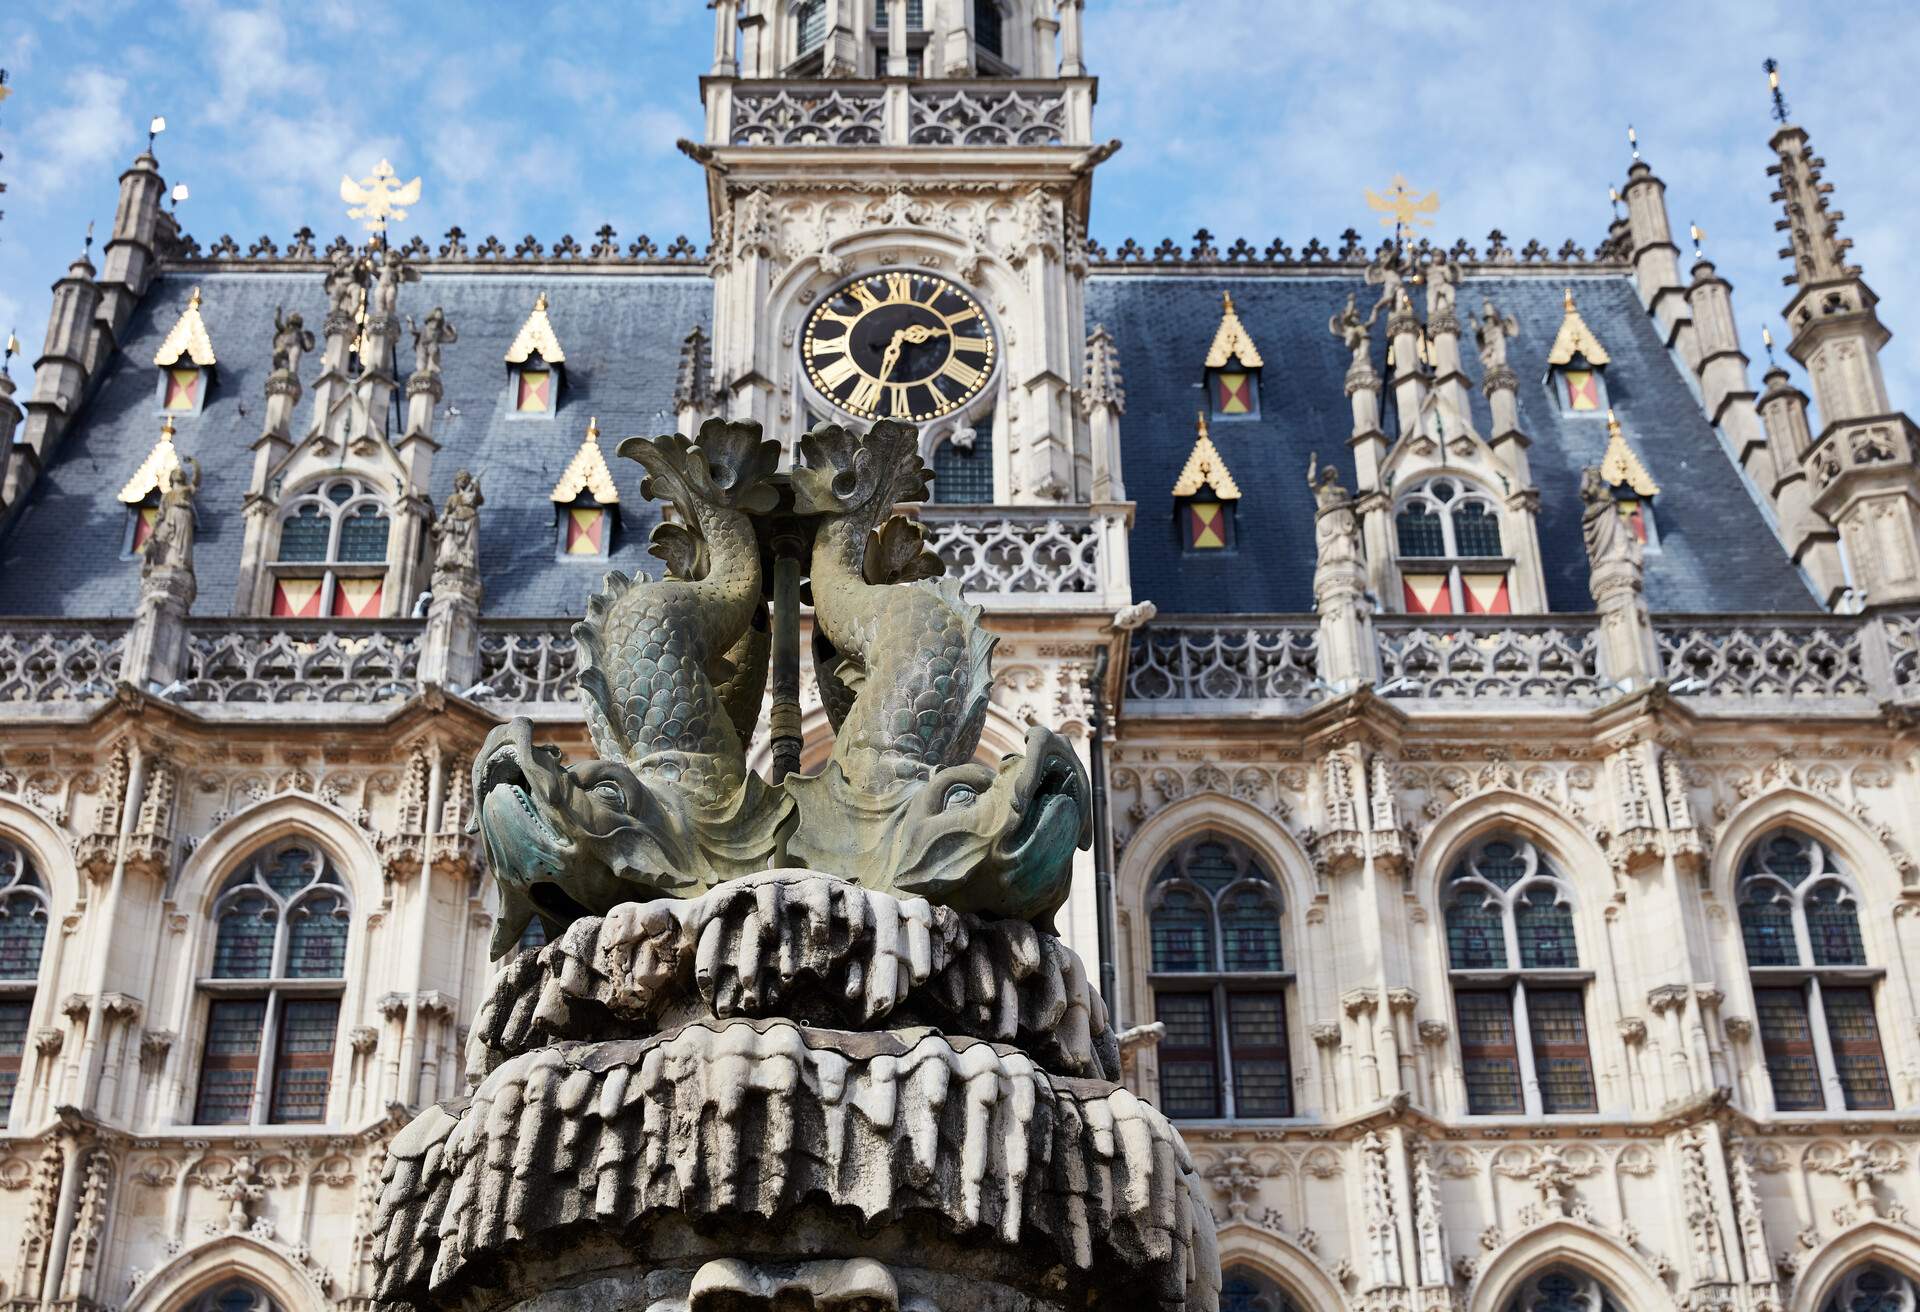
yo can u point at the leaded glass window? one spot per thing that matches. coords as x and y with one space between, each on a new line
1813 987
23 936
1214 918
987 27
15 1015
234 1296
1444 520
1523 1027
274 982
332 553
963 475
1563 1289
1872 1288
811 23
1243 1289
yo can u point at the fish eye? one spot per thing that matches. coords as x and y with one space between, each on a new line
612 791
959 795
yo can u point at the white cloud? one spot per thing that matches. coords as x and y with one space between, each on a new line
77 139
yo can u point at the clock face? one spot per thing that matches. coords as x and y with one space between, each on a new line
899 346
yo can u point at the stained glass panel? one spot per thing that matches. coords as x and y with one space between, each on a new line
1476 530
304 534
1833 925
1257 1035
1489 1052
304 1061
1250 931
1766 926
230 1061
963 476
1544 927
1182 933
23 933
1557 1023
317 938
14 1016
363 536
1858 1058
1189 1056
243 948
1476 934
1786 1039
1242 1289
1419 531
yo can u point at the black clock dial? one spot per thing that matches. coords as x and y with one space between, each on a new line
899 345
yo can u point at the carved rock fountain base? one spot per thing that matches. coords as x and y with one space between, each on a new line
756 1153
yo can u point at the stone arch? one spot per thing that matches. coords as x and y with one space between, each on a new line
1870 1241
287 815
1282 1260
1866 855
49 850
230 1257
1566 841
1567 1243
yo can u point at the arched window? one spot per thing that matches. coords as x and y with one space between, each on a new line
963 475
1243 1289
273 989
1448 539
332 558
234 1296
1563 1289
1518 990
1812 986
23 935
1219 984
1872 1288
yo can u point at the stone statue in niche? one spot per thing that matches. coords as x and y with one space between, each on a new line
805 1042
1607 535
428 338
291 340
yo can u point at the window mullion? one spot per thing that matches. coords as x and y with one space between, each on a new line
263 1071
1802 935
1224 1045
1823 1046
1523 1043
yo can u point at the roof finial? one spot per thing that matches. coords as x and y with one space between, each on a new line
1633 141
1201 415
155 126
178 194
1613 195
89 251
1567 297
167 429
1693 231
1772 66
1766 340
13 349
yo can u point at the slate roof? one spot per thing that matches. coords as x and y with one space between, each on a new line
623 333
1716 550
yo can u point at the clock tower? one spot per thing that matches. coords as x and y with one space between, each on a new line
898 192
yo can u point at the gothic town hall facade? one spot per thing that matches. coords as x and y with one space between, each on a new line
1501 707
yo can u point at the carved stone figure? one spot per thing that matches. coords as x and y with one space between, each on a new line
1443 285
1491 334
344 280
1354 333
169 547
1607 536
394 270
1383 271
456 535
428 338
1336 530
291 340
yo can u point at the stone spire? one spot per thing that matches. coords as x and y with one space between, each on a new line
1103 399
1864 466
60 376
693 384
1656 260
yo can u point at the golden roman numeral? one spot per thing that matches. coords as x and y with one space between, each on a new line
864 294
836 373
819 346
844 320
897 401
899 287
960 315
960 371
866 396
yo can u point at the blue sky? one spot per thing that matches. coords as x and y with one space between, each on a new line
1249 117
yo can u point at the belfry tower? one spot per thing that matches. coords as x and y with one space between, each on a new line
898 192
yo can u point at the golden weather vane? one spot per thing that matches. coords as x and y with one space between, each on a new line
1401 208
378 198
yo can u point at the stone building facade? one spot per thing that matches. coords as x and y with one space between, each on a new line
1506 872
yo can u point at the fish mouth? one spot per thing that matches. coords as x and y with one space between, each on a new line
1054 795
515 785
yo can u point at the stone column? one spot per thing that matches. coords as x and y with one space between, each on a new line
726 30
1103 400
1409 382
1814 544
1072 56
896 38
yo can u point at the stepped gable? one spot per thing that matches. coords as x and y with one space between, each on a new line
1163 326
63 557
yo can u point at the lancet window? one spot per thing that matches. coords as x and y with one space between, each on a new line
23 937
1450 556
1564 1289
1220 984
234 1296
1872 1288
1519 993
273 990
1813 990
332 558
1243 1289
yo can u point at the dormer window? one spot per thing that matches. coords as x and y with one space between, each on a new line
536 366
186 362
587 502
1448 544
141 493
332 557
1233 367
1633 487
1575 364
1205 498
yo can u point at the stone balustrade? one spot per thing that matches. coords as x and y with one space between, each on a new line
973 112
1015 558
1054 559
